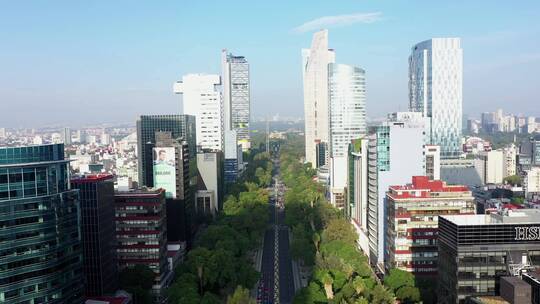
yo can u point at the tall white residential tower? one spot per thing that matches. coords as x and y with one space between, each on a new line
316 109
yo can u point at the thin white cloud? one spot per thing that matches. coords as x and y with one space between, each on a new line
337 21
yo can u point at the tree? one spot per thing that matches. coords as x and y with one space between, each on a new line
339 229
316 240
513 180
398 278
327 280
359 285
381 295
240 296
138 280
408 294
200 258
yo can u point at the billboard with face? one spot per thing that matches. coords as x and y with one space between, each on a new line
165 170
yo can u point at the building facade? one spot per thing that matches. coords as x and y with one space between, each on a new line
210 187
412 222
490 166
236 96
180 126
98 232
433 162
357 194
315 78
531 181
347 98
203 99
41 243
172 173
475 251
436 90
395 153
141 233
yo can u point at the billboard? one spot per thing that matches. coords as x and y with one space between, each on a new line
165 170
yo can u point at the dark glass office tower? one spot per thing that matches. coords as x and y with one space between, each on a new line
180 126
96 195
40 245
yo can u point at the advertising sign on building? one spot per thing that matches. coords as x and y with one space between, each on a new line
165 170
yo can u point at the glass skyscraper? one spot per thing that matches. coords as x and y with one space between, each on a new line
180 126
40 244
436 90
236 96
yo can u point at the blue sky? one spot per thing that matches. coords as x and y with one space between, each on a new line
76 62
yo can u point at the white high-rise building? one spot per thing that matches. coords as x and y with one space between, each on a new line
510 160
67 136
203 100
236 96
315 75
436 90
347 98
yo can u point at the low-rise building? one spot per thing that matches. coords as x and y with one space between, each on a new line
475 251
412 222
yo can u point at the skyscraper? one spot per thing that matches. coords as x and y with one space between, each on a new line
180 126
203 100
96 194
41 243
236 96
436 90
67 136
347 98
315 75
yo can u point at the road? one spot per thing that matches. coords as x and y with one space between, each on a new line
276 284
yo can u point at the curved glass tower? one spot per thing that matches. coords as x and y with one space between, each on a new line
40 246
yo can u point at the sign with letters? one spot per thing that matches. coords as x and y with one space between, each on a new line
527 233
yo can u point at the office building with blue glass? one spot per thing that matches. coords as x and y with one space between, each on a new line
40 245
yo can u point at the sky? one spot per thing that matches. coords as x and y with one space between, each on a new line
70 63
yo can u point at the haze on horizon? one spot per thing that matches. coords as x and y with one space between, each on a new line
74 63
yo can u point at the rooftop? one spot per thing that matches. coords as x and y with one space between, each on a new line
422 187
508 217
91 178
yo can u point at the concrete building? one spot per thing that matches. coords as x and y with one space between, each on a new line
490 166
357 194
412 218
395 153
180 126
202 99
141 233
41 242
315 78
347 98
210 187
531 181
98 233
236 96
436 90
233 163
433 162
475 251
67 136
171 172
510 160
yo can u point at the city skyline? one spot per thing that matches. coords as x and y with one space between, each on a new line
94 61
